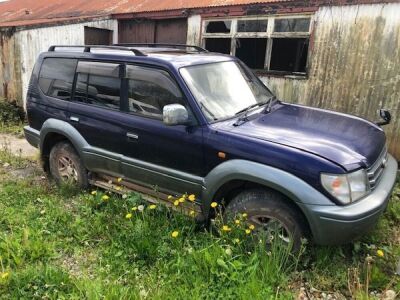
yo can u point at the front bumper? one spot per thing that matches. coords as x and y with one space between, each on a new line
340 224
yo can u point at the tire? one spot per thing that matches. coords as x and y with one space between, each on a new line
269 210
66 166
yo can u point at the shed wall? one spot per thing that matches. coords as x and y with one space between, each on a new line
32 42
10 82
354 64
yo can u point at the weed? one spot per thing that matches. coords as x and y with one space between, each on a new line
62 243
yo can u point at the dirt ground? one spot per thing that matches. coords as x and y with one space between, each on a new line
17 146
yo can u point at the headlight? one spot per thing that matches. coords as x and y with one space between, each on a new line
346 188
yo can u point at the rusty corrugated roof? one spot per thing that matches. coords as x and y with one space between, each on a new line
34 12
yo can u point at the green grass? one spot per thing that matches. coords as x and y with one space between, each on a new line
13 128
60 244
11 118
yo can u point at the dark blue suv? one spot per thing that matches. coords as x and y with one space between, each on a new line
177 119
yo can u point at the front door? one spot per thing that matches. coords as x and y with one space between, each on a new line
167 157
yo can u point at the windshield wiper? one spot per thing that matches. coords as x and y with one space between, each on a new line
243 119
246 109
270 100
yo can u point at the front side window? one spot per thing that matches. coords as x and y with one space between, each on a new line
273 44
150 89
223 89
57 76
98 84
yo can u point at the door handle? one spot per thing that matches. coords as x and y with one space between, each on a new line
74 119
132 136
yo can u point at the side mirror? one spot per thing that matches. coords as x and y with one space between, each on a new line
385 116
175 114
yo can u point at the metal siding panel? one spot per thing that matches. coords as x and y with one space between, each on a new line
97 36
171 31
32 42
10 55
138 31
354 65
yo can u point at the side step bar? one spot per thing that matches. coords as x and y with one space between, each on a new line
151 195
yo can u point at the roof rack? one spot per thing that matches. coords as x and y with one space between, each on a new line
161 45
89 48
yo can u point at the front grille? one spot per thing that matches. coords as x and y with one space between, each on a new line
376 170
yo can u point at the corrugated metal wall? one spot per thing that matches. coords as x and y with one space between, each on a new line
34 41
10 83
354 65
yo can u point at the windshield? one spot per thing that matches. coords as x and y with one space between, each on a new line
224 89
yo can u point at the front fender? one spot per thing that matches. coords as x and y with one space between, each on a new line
293 187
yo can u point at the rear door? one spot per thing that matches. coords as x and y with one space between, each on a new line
95 112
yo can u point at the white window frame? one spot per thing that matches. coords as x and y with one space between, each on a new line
269 34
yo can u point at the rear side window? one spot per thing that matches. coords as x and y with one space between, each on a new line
98 84
150 90
57 76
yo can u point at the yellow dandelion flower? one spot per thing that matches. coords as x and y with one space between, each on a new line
105 198
192 197
181 199
192 212
175 234
237 222
176 202
4 275
118 188
226 228
128 216
380 253
134 208
119 179
153 206
214 204
94 193
170 197
248 231
237 241
244 215
251 227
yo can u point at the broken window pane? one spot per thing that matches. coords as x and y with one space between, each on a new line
292 25
252 52
252 25
218 27
289 55
220 45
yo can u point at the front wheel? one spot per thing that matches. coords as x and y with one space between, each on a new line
66 166
268 211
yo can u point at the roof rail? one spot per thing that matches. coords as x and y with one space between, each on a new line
89 48
160 45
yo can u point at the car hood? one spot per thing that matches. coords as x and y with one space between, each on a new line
346 140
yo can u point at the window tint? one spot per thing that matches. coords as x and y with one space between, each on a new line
218 27
252 52
289 55
56 77
282 50
252 25
292 25
98 84
221 45
149 90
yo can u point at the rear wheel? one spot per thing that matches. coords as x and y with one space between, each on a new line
66 166
269 212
